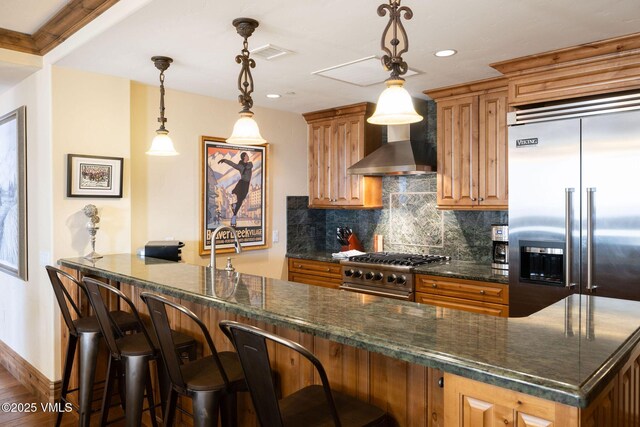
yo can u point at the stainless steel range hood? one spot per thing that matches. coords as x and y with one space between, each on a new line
399 156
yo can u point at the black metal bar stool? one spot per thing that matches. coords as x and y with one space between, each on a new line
314 405
84 330
130 357
211 382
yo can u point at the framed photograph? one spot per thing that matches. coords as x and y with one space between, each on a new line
13 193
234 193
94 176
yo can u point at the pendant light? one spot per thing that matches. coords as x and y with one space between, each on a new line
162 144
395 106
245 131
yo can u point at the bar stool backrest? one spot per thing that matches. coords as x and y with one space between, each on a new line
110 330
65 300
158 311
251 344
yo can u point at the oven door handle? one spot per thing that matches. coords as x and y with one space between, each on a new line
407 297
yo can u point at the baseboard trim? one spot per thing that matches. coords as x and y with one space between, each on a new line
35 381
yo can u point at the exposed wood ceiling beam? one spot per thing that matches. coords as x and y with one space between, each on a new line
72 17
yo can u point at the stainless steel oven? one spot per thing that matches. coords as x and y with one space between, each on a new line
384 274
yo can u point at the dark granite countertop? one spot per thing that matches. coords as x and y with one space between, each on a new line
566 352
314 256
463 270
455 269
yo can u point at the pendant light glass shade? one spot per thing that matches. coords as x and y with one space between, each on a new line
246 131
162 145
395 106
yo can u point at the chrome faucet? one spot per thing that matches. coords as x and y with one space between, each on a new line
212 263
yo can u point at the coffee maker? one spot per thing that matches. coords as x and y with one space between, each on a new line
500 253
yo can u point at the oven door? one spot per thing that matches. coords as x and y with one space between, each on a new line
381 292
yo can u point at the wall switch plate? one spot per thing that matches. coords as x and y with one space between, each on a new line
275 236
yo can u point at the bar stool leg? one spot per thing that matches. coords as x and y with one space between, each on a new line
136 374
66 375
205 409
170 410
229 410
112 370
88 356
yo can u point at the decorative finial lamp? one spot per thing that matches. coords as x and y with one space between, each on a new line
395 106
92 227
162 144
245 131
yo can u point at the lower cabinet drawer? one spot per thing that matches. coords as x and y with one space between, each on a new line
491 309
460 288
316 273
327 282
319 268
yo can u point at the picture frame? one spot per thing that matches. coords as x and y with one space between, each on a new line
94 176
13 193
225 190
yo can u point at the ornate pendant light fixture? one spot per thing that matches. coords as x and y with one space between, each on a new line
395 106
162 144
245 131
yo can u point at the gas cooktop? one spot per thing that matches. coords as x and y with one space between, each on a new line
390 258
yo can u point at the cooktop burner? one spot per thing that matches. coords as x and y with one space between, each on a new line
389 258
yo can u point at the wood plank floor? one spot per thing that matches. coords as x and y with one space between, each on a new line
11 391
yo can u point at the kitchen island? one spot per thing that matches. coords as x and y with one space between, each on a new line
573 363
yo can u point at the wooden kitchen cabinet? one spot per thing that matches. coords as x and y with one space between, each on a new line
469 403
472 145
460 294
316 273
338 138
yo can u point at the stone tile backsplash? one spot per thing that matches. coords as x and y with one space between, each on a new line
409 222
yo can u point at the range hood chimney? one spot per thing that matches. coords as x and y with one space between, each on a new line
401 155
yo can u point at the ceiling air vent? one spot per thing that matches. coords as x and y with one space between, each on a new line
361 72
269 52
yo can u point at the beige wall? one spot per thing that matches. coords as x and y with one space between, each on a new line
70 111
166 190
90 116
28 318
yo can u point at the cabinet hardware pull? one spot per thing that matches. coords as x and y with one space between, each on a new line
590 262
482 199
328 269
568 207
434 285
299 265
473 199
482 292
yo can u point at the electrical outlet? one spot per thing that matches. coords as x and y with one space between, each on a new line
276 236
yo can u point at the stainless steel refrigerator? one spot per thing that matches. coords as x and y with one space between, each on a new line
574 201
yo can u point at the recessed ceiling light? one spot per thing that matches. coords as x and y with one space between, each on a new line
273 95
445 52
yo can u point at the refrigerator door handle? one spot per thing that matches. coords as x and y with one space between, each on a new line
590 272
568 208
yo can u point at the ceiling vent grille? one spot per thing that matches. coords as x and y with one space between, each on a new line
269 52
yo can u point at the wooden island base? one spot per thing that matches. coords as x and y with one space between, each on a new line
409 392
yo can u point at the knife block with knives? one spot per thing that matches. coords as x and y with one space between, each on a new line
348 240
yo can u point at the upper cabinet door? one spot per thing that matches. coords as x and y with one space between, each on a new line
321 162
457 135
472 145
492 150
338 138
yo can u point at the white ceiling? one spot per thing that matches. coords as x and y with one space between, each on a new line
199 36
27 16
